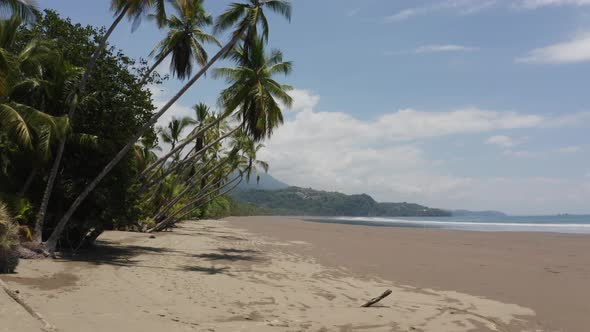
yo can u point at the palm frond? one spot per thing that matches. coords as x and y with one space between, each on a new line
24 9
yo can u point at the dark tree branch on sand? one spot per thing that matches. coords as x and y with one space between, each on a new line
46 325
377 299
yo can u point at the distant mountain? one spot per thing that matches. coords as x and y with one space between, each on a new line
467 213
267 182
302 201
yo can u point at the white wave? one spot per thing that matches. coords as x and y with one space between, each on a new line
462 223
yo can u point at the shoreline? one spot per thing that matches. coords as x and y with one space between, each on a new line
547 272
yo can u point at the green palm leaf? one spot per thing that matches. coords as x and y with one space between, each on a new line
24 9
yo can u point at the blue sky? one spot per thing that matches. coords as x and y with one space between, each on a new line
479 104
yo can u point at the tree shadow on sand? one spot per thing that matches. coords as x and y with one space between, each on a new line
115 254
227 257
110 253
207 270
238 251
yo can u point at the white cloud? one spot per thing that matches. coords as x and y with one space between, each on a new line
461 7
353 12
469 7
534 4
161 96
501 140
444 48
303 100
543 153
569 149
384 157
575 50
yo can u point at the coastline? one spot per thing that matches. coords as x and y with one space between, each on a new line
547 272
218 276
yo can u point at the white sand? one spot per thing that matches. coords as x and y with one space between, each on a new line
207 276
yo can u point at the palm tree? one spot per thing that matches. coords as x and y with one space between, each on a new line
172 133
145 153
24 9
202 113
248 18
136 9
133 9
190 183
185 39
253 90
245 18
32 129
213 190
250 152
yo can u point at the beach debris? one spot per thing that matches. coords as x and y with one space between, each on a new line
14 295
377 299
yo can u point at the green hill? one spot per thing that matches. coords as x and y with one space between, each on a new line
302 201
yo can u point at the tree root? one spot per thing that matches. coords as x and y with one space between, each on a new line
46 325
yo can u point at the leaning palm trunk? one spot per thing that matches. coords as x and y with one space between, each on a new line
194 208
183 164
62 145
187 190
28 183
148 184
55 235
166 222
189 140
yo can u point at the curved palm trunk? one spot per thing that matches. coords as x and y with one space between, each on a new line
187 190
197 154
190 204
182 215
28 183
187 141
149 184
52 241
57 161
147 75
181 165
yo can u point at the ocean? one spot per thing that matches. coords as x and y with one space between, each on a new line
576 224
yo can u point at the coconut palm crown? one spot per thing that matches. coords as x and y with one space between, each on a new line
253 90
185 38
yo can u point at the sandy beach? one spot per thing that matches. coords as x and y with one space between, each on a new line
546 272
274 274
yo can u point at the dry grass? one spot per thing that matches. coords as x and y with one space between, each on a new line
9 241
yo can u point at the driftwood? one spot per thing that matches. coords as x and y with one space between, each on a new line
377 299
46 325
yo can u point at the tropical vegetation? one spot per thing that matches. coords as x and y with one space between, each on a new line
9 241
81 150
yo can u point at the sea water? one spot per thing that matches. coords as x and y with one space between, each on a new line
556 224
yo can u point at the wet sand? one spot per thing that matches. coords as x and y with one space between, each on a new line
216 276
549 273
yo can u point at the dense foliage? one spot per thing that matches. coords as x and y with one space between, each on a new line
301 201
9 240
79 146
114 107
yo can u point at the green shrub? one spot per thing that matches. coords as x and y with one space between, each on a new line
8 242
